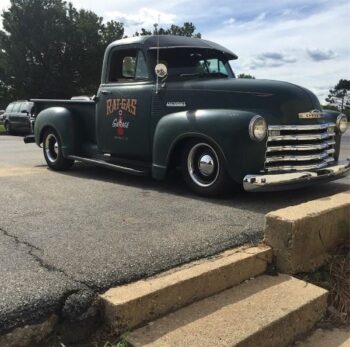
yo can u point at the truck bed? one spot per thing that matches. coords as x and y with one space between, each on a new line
84 110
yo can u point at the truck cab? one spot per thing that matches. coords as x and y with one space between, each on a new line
170 101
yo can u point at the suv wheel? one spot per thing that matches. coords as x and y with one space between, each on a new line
8 128
53 152
203 169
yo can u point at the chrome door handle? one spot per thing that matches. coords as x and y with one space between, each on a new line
105 92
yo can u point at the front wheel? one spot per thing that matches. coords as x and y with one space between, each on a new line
203 169
52 148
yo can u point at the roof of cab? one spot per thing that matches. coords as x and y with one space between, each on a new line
172 41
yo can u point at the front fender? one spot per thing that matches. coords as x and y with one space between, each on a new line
62 121
228 129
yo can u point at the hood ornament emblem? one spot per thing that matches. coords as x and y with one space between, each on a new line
311 114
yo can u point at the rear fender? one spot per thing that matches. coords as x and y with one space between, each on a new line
62 121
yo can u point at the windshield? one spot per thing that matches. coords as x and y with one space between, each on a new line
193 63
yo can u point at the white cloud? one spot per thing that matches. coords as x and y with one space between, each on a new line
143 18
321 33
229 21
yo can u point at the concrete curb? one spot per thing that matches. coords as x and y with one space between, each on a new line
302 236
29 335
129 306
265 311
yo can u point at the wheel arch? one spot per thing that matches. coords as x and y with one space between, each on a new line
61 120
180 142
43 131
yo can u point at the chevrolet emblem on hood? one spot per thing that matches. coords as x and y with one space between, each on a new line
311 114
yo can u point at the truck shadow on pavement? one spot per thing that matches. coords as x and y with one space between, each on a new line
256 202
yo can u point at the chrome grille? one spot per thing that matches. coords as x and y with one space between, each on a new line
299 147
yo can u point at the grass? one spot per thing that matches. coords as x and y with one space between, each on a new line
121 343
96 341
335 276
2 128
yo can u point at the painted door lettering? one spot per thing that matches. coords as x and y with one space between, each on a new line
127 105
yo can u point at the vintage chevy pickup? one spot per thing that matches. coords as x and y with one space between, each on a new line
174 102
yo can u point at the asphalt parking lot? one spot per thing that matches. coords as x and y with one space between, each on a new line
66 236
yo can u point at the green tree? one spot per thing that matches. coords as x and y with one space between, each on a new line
243 75
187 29
49 49
339 96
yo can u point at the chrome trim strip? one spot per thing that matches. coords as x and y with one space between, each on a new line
297 157
292 168
285 181
300 147
302 127
109 165
300 137
329 160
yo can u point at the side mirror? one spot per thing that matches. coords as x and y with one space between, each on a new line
161 70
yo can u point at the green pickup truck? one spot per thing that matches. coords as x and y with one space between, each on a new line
173 102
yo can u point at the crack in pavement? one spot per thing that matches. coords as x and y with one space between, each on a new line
73 303
39 260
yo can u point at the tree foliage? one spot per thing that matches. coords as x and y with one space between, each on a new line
339 96
50 49
243 75
187 29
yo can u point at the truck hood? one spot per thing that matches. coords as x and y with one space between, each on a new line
279 102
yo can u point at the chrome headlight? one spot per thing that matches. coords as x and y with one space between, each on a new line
342 123
257 128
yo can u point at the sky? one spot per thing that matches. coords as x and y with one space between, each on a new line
304 42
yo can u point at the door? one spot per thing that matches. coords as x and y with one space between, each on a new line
23 115
124 106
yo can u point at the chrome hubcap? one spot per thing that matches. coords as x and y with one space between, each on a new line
51 148
206 165
203 164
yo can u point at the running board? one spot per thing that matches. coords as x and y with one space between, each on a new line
103 163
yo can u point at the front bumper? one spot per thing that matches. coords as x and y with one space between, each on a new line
293 180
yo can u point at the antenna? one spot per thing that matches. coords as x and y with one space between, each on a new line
157 32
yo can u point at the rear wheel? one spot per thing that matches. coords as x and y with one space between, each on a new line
8 128
203 169
53 152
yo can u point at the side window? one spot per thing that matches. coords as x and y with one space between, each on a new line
17 107
127 65
24 106
141 67
9 108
